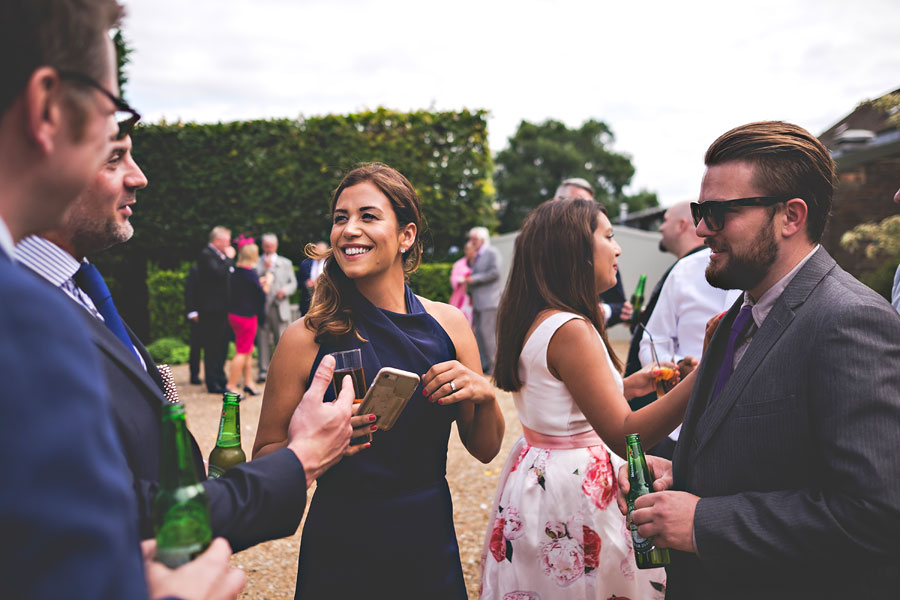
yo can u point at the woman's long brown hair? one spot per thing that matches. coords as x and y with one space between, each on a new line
330 315
553 268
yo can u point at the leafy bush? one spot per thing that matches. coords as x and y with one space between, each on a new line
881 279
169 350
432 281
166 303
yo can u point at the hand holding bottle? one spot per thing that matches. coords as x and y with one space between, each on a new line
207 577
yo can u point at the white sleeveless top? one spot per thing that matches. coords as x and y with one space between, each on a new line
544 403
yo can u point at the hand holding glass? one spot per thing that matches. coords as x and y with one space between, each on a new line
666 377
349 363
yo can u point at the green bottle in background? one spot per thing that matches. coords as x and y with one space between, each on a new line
646 555
637 299
228 451
181 507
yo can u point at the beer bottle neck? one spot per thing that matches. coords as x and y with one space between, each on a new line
229 425
176 467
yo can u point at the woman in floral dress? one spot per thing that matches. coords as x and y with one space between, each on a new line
555 530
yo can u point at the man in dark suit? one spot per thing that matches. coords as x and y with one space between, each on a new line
214 267
785 481
253 502
309 271
66 508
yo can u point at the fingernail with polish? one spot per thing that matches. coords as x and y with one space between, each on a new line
373 427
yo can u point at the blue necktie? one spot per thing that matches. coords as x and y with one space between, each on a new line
89 279
738 328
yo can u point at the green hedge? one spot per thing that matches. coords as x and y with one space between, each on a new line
166 303
432 281
165 289
169 351
278 176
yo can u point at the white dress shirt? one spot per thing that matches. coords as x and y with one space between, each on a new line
6 241
686 303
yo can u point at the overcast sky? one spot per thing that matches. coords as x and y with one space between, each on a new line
667 77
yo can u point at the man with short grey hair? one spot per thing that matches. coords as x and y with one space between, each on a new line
485 287
277 310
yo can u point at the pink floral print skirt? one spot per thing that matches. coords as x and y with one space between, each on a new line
556 532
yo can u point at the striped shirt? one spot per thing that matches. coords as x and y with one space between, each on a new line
58 267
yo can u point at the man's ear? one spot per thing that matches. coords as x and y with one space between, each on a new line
44 114
794 217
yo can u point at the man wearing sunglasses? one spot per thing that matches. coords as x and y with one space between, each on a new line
66 509
785 481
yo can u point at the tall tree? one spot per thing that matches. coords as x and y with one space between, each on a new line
541 155
123 57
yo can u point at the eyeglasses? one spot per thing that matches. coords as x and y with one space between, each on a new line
126 117
714 212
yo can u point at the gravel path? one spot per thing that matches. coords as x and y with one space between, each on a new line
272 567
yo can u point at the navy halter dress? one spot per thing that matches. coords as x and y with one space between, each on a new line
380 524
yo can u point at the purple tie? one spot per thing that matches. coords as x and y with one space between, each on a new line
738 329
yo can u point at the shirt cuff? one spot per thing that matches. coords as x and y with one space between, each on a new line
192 315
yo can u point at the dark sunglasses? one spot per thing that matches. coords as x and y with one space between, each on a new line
126 117
714 212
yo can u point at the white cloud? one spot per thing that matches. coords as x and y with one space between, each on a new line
667 77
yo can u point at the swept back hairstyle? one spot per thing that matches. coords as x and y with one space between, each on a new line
330 314
69 35
788 161
552 268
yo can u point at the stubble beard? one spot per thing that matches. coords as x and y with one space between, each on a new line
745 271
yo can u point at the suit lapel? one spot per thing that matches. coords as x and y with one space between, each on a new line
110 345
776 323
706 377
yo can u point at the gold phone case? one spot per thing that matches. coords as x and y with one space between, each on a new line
388 395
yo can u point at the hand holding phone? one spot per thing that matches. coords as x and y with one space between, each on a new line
388 395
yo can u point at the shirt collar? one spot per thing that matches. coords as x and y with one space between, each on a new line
46 259
6 241
217 251
763 306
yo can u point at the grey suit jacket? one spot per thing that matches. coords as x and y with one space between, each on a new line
796 461
285 279
486 287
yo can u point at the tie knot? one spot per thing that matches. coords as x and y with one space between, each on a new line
742 321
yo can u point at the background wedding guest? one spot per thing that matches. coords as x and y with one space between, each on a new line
214 267
484 287
309 272
277 311
246 301
461 269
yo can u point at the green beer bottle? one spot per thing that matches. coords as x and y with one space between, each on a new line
181 507
637 299
646 555
228 451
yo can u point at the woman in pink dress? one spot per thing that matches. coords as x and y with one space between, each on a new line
555 530
462 269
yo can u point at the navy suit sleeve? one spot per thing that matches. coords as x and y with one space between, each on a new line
258 501
66 512
615 297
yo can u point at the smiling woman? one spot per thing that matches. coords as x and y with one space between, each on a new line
392 498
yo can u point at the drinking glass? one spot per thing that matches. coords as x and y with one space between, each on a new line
349 362
663 350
